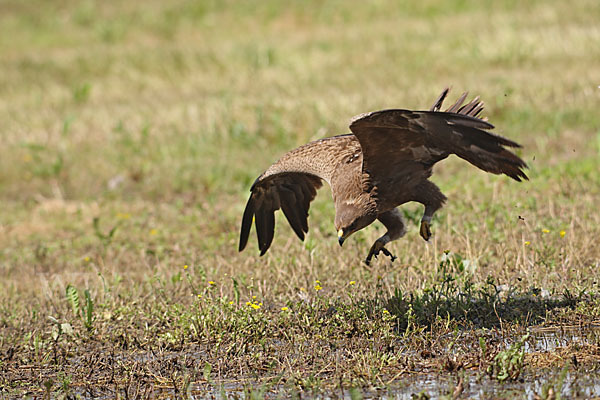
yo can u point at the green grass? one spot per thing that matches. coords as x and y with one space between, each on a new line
131 135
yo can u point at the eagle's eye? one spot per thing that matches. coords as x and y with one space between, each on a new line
351 227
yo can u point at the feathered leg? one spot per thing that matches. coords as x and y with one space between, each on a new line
392 220
428 194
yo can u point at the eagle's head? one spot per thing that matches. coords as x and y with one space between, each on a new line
352 216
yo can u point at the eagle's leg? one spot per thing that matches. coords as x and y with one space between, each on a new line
392 220
428 194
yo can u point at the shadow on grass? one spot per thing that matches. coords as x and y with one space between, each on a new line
454 296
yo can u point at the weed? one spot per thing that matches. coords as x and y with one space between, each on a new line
105 238
82 92
553 390
84 311
508 364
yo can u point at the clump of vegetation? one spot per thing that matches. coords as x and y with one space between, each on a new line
508 364
85 310
454 295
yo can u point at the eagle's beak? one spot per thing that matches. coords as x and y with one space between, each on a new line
341 237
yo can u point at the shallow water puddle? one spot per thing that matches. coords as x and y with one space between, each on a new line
574 385
560 343
551 338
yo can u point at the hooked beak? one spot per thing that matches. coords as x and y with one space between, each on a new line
341 237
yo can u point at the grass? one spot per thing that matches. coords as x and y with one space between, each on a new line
130 138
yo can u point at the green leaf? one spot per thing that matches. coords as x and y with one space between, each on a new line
236 291
207 371
73 298
89 310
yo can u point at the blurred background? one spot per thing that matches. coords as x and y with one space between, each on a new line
153 118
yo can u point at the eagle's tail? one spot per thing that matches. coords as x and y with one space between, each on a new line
471 142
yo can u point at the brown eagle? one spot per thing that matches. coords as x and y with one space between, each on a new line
385 162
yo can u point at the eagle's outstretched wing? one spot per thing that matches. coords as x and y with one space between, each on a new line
290 191
394 141
291 184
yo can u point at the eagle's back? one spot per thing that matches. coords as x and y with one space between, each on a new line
320 157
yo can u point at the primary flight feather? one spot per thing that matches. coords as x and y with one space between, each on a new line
385 162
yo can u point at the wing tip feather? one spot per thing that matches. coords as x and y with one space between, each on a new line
437 105
292 194
246 224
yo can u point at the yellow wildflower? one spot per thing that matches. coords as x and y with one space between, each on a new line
284 308
386 315
211 283
153 231
231 303
352 283
199 296
254 305
86 259
185 267
545 230
562 234
318 287
527 243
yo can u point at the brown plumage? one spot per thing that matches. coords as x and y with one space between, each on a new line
385 162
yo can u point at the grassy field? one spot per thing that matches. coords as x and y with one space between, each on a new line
131 134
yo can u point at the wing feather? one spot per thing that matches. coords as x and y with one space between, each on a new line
290 191
437 105
394 140
261 223
467 109
456 106
247 223
290 184
291 214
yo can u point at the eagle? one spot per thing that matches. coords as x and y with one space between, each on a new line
385 162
